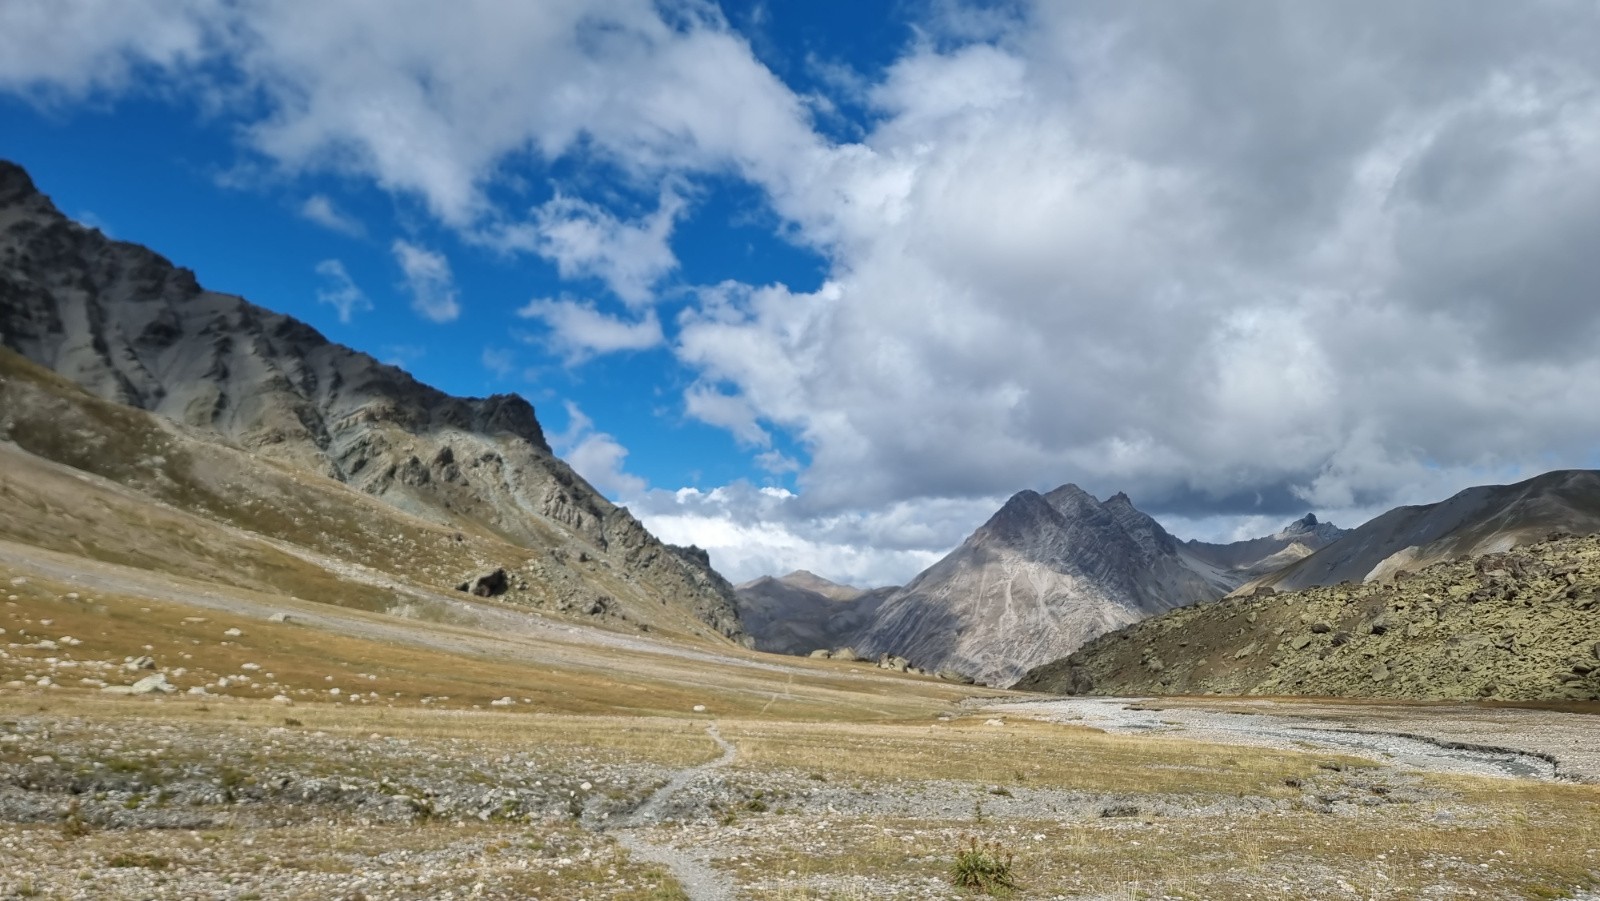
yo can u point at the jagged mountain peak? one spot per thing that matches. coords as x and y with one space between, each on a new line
1046 572
14 182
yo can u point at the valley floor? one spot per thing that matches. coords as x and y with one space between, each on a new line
631 769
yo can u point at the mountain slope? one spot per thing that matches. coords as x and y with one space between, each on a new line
1520 625
1045 574
1480 520
129 328
802 612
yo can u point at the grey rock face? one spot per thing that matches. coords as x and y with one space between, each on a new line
1049 572
128 326
802 611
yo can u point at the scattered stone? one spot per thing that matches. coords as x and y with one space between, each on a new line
699 708
232 633
151 684
845 654
822 653
279 617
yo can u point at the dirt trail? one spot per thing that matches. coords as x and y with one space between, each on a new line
694 873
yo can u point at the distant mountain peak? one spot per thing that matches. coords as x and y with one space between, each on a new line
1310 526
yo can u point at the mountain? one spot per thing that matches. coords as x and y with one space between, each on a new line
802 612
1522 624
1256 557
253 394
1047 573
1480 520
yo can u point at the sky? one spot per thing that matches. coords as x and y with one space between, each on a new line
818 285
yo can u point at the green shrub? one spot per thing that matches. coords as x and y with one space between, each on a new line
983 867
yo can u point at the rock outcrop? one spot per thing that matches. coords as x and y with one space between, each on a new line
1519 625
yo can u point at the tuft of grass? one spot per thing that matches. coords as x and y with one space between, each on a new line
983 867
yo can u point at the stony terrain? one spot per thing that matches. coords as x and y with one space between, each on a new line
1520 625
231 799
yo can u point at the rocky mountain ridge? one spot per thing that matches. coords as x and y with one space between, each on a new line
803 612
127 326
1045 574
1479 520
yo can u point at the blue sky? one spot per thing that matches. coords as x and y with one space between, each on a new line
820 284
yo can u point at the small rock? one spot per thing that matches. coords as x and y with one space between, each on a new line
699 708
139 663
279 617
822 653
232 633
845 654
151 684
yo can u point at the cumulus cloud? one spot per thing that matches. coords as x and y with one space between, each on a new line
56 50
320 209
587 240
340 291
578 330
596 456
752 531
1218 259
1236 261
429 280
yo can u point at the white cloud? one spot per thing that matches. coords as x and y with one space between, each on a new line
586 240
340 291
578 330
1234 263
64 49
752 531
428 278
320 209
596 456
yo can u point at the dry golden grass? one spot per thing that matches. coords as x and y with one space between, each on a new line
1026 754
455 667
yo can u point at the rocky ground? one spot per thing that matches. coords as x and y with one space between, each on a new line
185 798
1522 625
